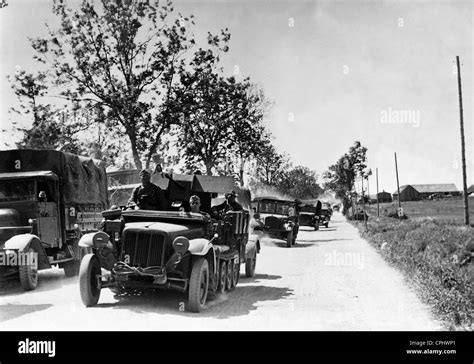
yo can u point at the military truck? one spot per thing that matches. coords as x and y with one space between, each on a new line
309 216
48 199
276 218
174 249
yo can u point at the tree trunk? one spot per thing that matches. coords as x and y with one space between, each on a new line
209 166
241 172
136 155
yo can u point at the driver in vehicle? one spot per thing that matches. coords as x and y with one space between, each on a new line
230 204
148 196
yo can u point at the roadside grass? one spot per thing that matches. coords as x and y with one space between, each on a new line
436 256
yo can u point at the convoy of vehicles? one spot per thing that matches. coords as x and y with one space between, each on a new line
54 208
48 199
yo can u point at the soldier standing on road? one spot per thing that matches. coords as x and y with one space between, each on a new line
148 196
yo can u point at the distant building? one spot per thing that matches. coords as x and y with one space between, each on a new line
384 197
421 192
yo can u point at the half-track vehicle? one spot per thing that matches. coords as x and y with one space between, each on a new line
174 249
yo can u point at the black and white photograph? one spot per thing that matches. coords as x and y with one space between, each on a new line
300 170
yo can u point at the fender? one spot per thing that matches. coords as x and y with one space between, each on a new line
199 246
23 242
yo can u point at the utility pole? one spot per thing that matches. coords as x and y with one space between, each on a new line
463 151
398 188
377 182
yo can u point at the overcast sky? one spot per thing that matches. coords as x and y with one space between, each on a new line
381 72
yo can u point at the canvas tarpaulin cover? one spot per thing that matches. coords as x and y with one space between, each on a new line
83 180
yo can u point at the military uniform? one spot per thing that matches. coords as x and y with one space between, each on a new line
149 197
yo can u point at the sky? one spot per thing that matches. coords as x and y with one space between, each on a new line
381 72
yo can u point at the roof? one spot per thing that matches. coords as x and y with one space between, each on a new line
31 174
470 189
432 188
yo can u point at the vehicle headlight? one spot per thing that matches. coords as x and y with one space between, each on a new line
181 244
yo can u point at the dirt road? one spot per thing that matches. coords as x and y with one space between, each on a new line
331 280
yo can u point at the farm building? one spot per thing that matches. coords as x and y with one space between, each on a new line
384 197
420 192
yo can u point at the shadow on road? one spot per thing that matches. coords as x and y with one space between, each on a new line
11 311
257 277
241 301
316 241
48 280
326 229
282 243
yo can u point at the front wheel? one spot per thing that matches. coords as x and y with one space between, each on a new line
89 280
289 239
71 268
198 285
250 264
29 274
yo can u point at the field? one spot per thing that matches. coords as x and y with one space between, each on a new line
449 209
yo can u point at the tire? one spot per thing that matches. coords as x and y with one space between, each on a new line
250 264
327 225
198 285
28 275
222 277
230 269
289 239
235 274
88 280
71 269
316 226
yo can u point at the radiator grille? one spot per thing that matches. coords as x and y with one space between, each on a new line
144 249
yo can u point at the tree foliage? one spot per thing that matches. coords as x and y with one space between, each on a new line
300 182
121 55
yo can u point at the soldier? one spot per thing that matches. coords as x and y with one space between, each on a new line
230 204
148 196
195 203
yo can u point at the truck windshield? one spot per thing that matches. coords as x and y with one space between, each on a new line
268 207
17 190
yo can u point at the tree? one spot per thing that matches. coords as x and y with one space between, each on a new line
122 56
341 176
300 182
248 131
270 165
207 101
50 128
